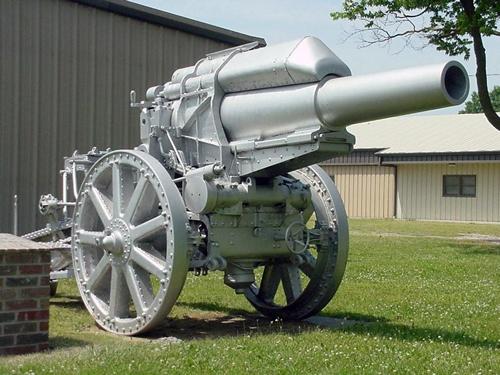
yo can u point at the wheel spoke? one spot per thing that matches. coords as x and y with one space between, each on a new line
134 290
315 236
90 238
269 283
119 294
290 276
144 281
148 228
149 262
100 206
309 264
98 272
117 190
135 199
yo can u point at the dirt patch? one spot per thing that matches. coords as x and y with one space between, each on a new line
472 237
494 240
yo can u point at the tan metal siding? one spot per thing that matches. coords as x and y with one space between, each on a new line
66 70
420 193
367 191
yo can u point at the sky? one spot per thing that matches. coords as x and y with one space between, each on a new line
280 20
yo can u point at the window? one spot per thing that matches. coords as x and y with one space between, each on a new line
459 186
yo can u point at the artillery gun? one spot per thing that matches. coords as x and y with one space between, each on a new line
225 179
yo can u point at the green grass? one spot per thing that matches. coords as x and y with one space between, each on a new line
421 305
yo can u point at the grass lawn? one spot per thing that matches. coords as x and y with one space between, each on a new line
420 300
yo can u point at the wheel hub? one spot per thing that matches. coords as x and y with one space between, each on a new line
113 243
117 241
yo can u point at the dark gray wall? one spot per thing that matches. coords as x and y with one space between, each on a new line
66 70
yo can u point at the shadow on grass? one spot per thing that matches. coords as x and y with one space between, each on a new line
63 342
468 248
382 327
215 323
210 306
213 320
412 333
355 317
68 302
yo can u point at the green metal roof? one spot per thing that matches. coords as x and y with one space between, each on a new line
428 134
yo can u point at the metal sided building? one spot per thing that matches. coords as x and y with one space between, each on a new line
422 168
66 70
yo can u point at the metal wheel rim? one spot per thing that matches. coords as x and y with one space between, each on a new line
129 242
324 272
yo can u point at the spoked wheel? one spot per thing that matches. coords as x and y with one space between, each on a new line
300 286
129 242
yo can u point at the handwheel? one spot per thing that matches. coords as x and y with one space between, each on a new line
129 242
297 287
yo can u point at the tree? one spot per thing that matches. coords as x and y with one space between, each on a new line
451 25
474 106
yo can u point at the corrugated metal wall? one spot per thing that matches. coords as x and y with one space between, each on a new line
66 71
420 193
367 191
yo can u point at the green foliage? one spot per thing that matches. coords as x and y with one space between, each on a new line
417 297
474 106
444 24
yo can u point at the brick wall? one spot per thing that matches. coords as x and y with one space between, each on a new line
24 295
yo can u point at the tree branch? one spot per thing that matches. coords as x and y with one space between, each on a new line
414 15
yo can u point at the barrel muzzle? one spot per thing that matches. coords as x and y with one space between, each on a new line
349 100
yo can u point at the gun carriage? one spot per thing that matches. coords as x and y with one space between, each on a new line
225 179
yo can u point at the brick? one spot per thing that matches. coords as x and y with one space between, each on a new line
46 269
20 328
8 270
35 292
45 257
7 294
33 338
6 341
43 346
7 317
33 315
44 280
21 258
43 326
19 350
21 281
1 282
31 269
21 304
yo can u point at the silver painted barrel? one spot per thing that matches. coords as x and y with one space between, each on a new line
336 102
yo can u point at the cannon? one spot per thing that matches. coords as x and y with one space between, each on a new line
225 179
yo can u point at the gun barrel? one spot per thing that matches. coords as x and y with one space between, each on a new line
337 102
344 101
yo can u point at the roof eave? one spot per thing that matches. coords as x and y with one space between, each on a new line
151 15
